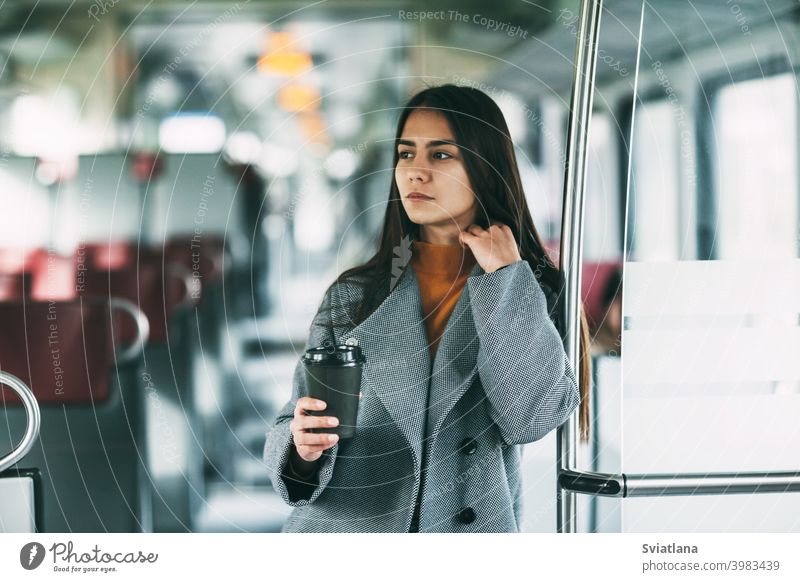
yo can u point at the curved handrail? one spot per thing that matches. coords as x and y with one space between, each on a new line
134 350
34 420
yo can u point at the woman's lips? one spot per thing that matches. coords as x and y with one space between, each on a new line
418 196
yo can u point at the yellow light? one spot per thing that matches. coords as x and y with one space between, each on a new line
282 56
296 98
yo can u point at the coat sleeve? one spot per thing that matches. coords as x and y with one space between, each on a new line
529 382
279 443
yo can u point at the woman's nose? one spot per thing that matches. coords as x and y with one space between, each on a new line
418 172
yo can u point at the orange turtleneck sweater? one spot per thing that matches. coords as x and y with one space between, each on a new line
442 272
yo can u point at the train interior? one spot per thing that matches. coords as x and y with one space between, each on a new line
181 181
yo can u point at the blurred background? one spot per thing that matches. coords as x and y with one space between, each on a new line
180 181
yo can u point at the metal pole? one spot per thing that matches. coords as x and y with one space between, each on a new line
571 233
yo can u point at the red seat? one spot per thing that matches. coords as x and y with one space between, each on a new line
39 274
15 274
62 350
53 276
92 436
594 278
205 257
105 255
15 285
156 286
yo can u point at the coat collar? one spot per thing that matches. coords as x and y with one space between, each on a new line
398 369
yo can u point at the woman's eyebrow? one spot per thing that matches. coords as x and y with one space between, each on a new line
431 144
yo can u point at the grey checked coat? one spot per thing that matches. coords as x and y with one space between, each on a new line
500 378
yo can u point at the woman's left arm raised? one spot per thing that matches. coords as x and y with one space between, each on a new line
528 379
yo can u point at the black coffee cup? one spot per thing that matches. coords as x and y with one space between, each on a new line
333 375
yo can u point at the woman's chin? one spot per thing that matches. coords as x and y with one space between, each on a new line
424 218
419 218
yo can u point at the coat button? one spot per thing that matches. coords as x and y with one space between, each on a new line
466 515
468 446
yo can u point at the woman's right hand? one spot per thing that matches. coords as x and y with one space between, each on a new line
310 445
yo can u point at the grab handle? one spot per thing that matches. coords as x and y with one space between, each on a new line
34 420
132 351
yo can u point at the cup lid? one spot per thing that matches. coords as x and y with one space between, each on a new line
329 355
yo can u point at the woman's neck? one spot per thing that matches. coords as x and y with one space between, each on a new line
444 261
438 237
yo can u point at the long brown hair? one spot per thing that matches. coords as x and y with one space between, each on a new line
481 132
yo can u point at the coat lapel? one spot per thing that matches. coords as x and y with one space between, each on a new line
398 368
455 364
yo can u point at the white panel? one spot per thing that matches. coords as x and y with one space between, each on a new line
702 434
711 355
17 505
763 512
711 287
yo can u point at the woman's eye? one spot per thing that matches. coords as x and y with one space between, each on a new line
407 155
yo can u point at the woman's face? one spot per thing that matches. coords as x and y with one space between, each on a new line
431 166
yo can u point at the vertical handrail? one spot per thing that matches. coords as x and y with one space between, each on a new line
34 420
571 250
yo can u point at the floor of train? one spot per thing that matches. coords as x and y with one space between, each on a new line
246 502
268 352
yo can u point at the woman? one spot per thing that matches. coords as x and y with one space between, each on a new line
463 362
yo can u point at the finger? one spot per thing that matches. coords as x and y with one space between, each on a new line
306 422
313 423
505 228
305 439
307 403
471 233
305 451
313 449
